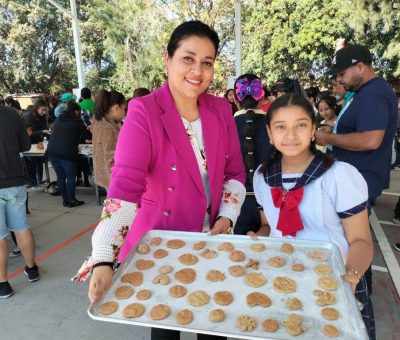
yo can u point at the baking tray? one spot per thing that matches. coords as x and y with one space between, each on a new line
349 323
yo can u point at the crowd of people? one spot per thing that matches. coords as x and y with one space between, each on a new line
278 160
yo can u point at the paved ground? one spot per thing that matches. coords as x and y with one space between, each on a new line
54 307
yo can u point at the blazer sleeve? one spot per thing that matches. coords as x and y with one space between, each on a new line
132 156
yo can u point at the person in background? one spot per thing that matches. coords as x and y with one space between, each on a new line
230 95
266 102
87 103
109 111
327 109
62 106
11 102
2 102
37 119
14 140
396 142
308 195
62 151
178 164
53 103
254 143
140 92
312 96
338 91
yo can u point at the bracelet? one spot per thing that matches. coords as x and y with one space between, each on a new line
356 273
99 264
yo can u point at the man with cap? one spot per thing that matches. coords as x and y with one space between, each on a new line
365 128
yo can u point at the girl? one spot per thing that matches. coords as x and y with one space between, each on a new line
327 109
254 142
109 110
62 151
230 95
308 195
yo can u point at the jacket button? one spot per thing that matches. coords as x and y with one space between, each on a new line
170 189
166 213
173 167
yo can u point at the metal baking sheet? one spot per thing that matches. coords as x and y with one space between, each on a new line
349 323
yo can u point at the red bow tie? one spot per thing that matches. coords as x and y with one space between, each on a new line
289 221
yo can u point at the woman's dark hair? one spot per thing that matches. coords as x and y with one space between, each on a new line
104 101
10 101
188 29
227 92
299 101
86 93
249 104
53 101
330 101
38 104
72 107
140 92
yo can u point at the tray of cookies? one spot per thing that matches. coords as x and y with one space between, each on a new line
231 285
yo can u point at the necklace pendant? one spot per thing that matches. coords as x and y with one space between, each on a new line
284 195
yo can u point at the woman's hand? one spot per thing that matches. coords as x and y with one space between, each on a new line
100 281
221 226
351 278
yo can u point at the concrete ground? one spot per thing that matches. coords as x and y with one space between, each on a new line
55 308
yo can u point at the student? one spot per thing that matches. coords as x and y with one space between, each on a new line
250 122
109 110
308 195
327 109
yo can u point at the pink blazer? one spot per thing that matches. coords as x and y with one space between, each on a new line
155 165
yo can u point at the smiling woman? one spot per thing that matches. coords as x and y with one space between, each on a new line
178 164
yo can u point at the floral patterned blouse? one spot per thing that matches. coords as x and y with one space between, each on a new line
117 215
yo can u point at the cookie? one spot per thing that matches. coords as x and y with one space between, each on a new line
298 267
188 259
293 304
144 264
330 313
199 245
330 331
215 276
124 292
327 283
223 298
237 256
287 248
317 255
324 298
237 270
160 253
255 280
186 275
216 315
284 284
209 253
258 299
160 312
177 291
161 279
276 261
108 308
143 294
270 325
323 269
198 298
257 247
143 248
184 317
226 246
155 241
253 264
165 269
246 323
133 310
175 244
135 278
293 325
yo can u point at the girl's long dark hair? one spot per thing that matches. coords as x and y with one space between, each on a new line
104 101
299 101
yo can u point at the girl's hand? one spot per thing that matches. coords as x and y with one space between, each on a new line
101 280
253 235
221 226
351 278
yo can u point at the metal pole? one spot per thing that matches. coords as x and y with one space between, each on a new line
77 44
238 38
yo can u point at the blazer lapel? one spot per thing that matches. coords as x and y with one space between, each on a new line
177 135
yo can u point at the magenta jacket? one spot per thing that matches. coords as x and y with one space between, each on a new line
155 165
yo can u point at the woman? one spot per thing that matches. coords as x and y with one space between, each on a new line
306 194
230 95
250 122
62 151
109 110
37 120
177 146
